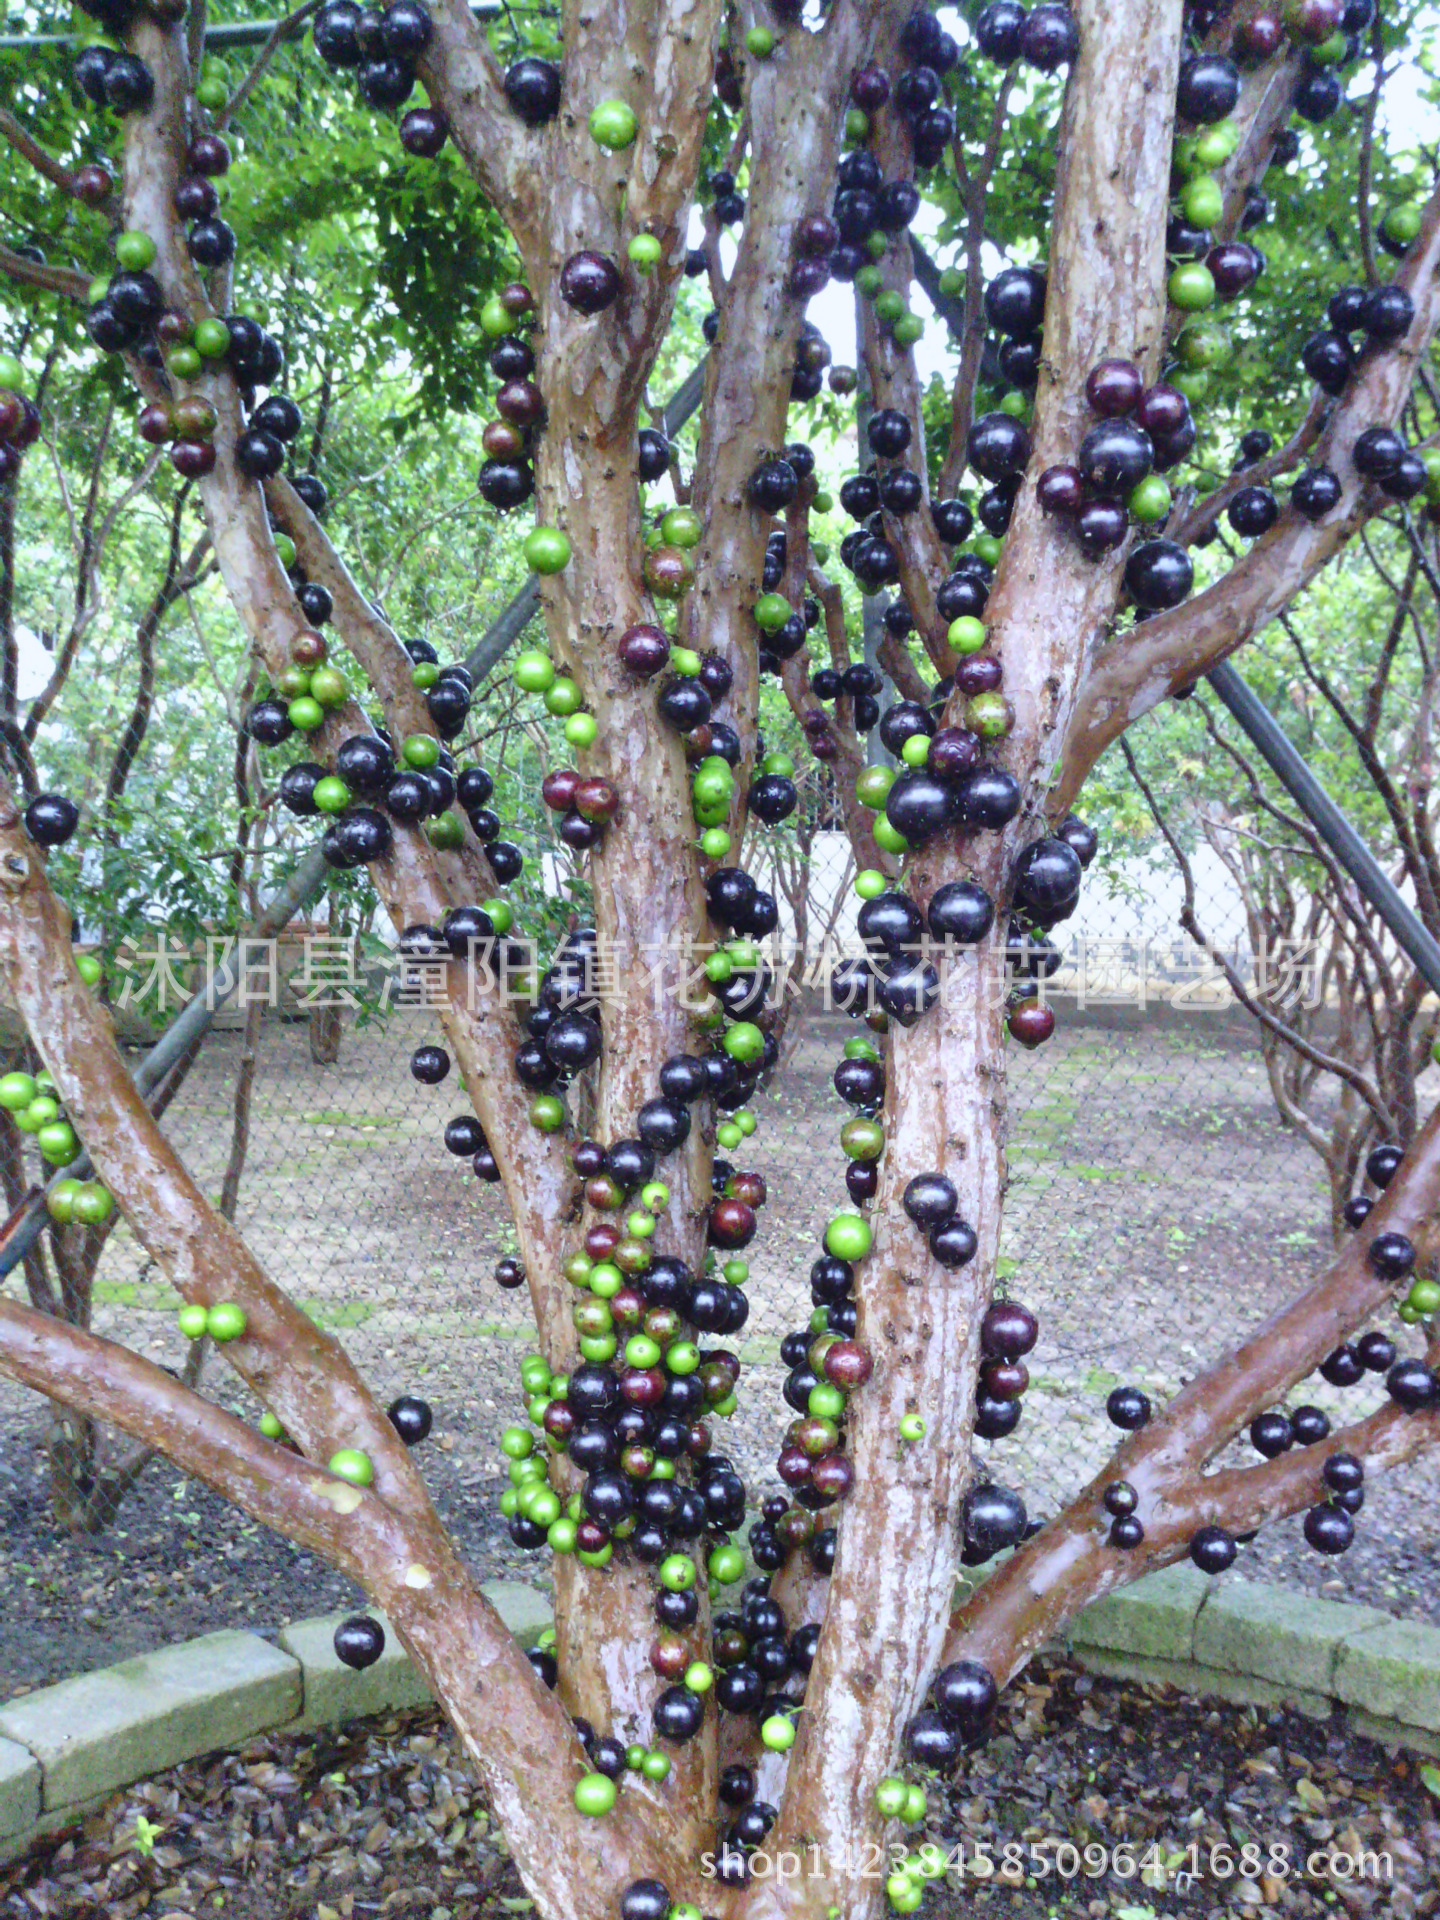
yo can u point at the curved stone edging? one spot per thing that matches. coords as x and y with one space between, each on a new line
65 1749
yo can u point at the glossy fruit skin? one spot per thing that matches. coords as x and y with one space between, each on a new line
1208 89
1114 387
1271 1434
1050 38
954 1244
51 819
961 911
1317 492
1008 1330
1115 456
997 445
1329 1529
994 1518
930 1742
589 281
1060 490
1128 1409
1391 1255
359 1641
1412 1385
931 1200
1046 880
1212 1550
1253 511
1158 575
966 1695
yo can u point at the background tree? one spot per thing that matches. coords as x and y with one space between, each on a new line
589 146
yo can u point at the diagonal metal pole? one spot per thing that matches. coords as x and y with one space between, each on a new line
190 1025
1286 763
503 632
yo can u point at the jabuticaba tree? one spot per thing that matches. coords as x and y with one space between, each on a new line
699 1709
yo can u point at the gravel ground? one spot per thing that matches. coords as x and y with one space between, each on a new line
382 1818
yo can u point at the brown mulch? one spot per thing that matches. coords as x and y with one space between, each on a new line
382 1818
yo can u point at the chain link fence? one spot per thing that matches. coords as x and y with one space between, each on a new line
1157 1209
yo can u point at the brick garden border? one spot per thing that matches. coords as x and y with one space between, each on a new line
65 1749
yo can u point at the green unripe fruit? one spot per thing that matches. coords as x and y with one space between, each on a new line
862 1139
728 1135
744 1042
352 1465
582 730
682 527
682 1358
183 363
642 1351
916 750
421 750
1191 287
1204 345
910 328
134 251
698 1677
60 1201
270 1426
726 1565
93 1204
825 1402
17 1090
1401 225
890 1797
677 1572
329 686
655 1195
870 883
1014 404
686 662
861 1049
875 245
546 550
760 43
857 126
547 1112
613 125
1424 1297
912 1427
516 1443
988 546
1202 201
872 787
285 550
715 843
40 1112
772 610
563 697
594 1792
952 281
778 1733
656 1767
915 1806
561 1535
12 374
88 966
306 714
331 794
889 305
192 1319
1193 385
212 339
644 252
967 634
1215 145
534 671
848 1237
225 1321
57 1142
869 281
1150 501
212 94
888 837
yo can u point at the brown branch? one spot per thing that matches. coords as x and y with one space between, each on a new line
32 273
1174 649
1069 1564
30 149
